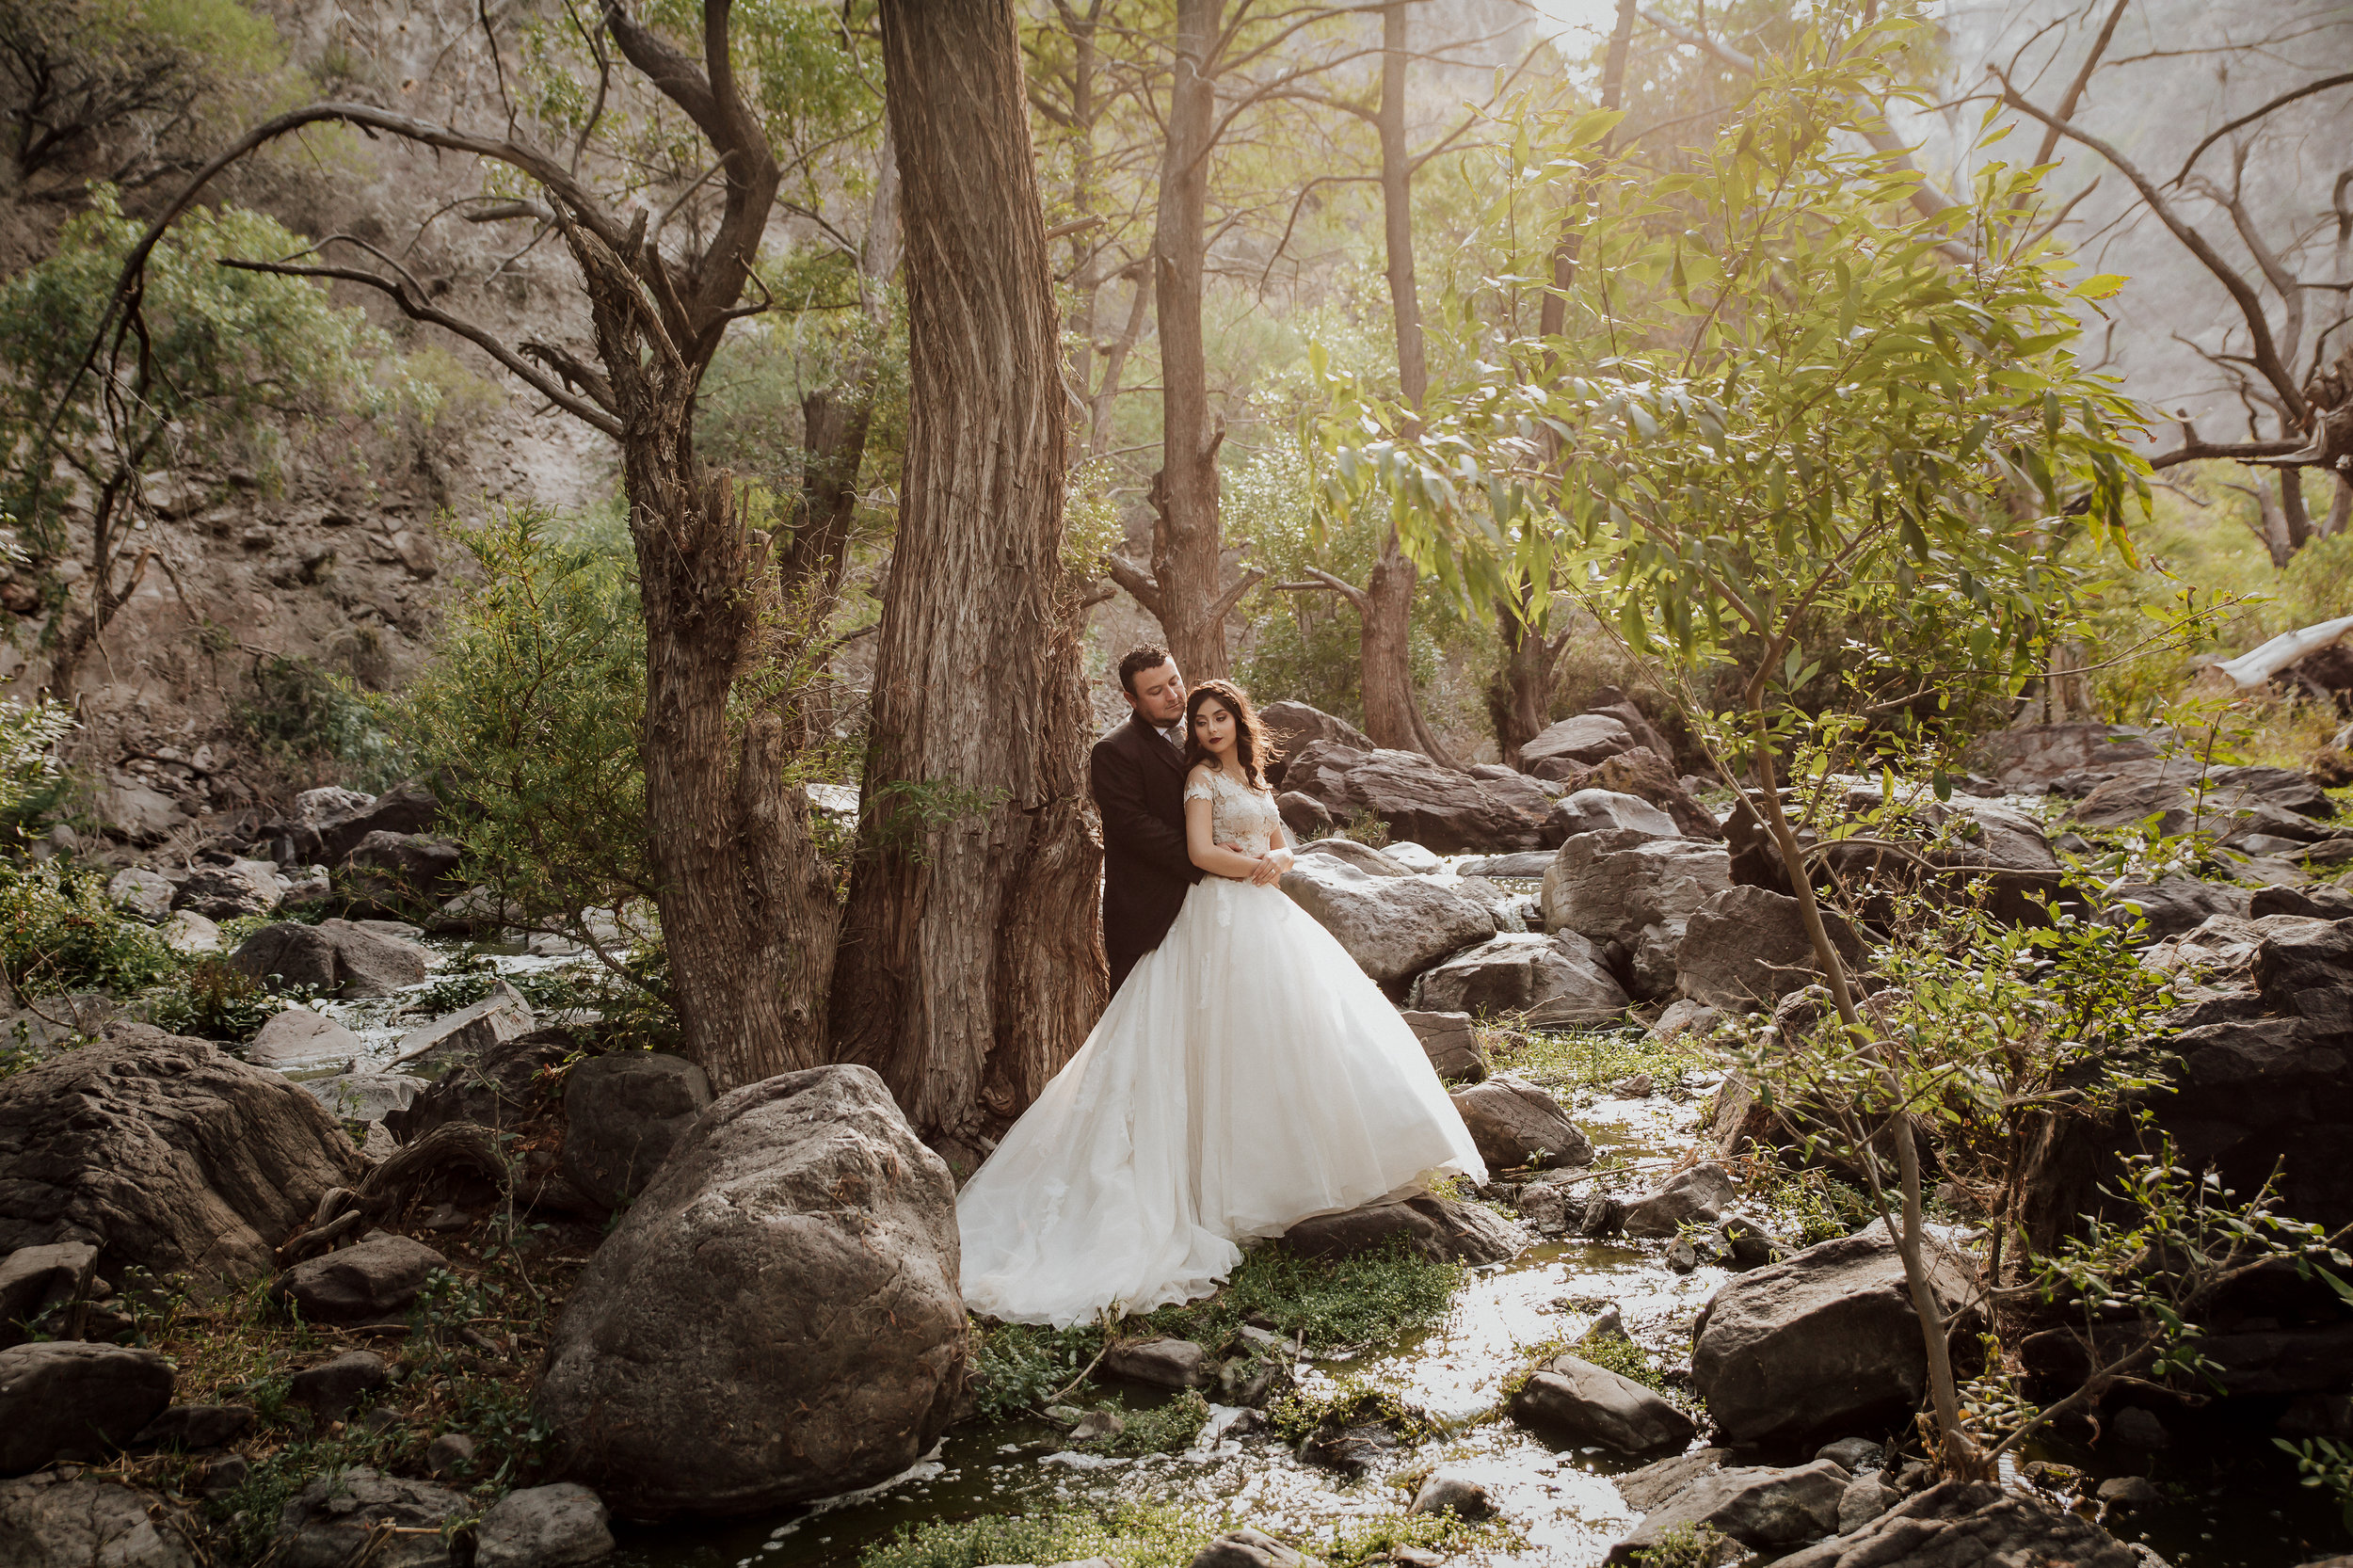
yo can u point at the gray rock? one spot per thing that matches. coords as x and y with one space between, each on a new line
1158 1362
66 1398
2175 903
1824 1341
1290 726
1586 1403
365 1283
1440 1229
1755 1506
2174 793
1559 749
1969 1525
1417 860
1525 866
1304 815
623 1113
465 1034
776 1319
372 963
1867 1498
2136 1428
1247 1548
288 954
1393 926
2032 759
189 933
1685 1016
1638 891
1445 1492
140 814
1363 856
1514 1122
297 1037
1512 911
1450 1041
413 867
332 1389
1853 1455
1551 1204
227 892
364 1096
543 1526
1445 811
1554 980
1696 1197
450 1455
1656 1484
36 1282
54 1520
361 1513
1752 1246
166 1153
1746 948
142 892
2129 1492
1606 811
195 1426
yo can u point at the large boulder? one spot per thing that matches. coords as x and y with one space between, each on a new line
1291 726
406 868
1393 926
1697 1197
142 892
1748 948
55 1520
369 1282
1648 775
503 1088
363 1515
2051 757
622 1116
297 1037
1514 1122
1586 1403
1555 979
432 1050
371 963
2183 795
226 892
543 1526
1443 810
1968 1525
1638 891
2172 905
327 825
65 1399
1440 1229
1823 1343
1361 856
1756 1504
777 1319
1450 1040
1603 810
1561 750
287 955
166 1153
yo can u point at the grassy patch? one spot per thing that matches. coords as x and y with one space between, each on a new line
1685 1546
1018 1367
1361 1541
1168 1429
1579 1060
1134 1535
1348 1403
1814 1204
1374 1298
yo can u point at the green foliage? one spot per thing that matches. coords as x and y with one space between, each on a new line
1136 1535
2325 1464
1686 1547
529 714
1378 1296
31 778
1360 1541
1018 1367
300 711
1569 1059
1168 1428
1302 1414
1615 1353
1816 1204
213 1002
222 350
1782 434
59 934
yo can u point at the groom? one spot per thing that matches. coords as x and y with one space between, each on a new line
1137 775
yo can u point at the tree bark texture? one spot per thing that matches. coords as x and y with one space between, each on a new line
1187 540
969 969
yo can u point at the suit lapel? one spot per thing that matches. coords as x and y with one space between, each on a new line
1151 739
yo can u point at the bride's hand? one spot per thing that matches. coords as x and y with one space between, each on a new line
1272 866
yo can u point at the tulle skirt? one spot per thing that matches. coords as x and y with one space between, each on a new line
1247 1076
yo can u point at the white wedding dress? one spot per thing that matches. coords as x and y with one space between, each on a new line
1246 1077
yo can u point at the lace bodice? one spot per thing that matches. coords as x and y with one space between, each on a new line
1238 814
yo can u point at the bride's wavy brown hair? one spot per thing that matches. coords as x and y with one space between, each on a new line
1250 741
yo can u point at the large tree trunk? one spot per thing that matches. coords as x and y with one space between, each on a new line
1520 700
969 967
1187 544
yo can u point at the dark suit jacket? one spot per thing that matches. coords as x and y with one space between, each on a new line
1138 780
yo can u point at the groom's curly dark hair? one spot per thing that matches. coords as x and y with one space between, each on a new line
1250 743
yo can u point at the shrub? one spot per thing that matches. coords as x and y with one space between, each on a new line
58 934
1377 1297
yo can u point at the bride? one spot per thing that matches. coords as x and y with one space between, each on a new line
1246 1077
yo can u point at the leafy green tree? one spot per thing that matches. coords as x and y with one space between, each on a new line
222 351
1776 412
